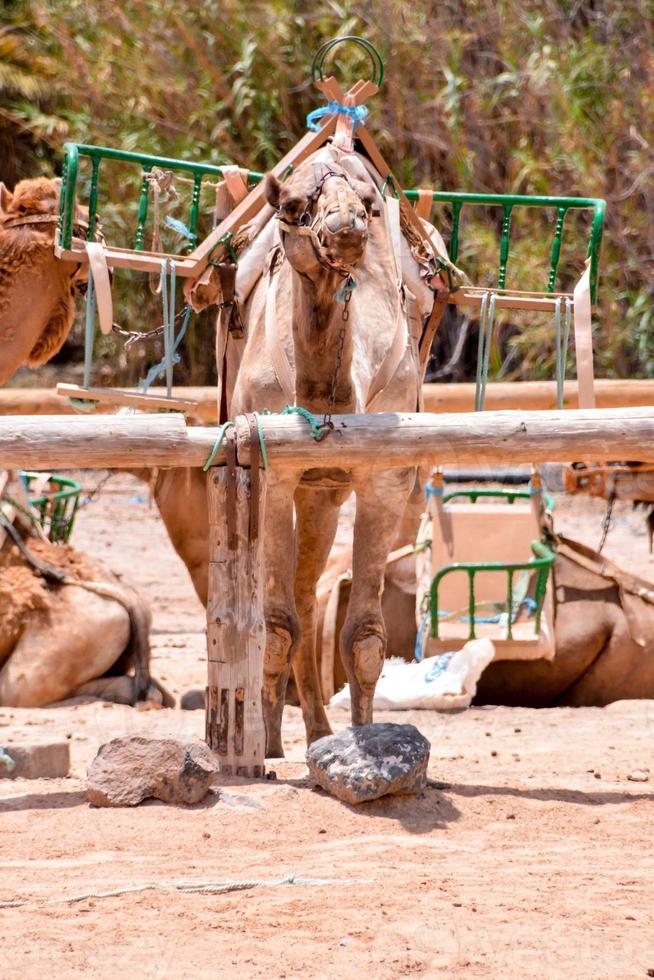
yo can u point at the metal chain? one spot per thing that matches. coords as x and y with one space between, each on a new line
327 423
136 335
95 492
606 523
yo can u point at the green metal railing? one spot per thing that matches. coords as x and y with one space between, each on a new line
199 171
509 495
96 154
510 201
56 510
540 564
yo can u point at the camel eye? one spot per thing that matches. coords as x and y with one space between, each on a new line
293 207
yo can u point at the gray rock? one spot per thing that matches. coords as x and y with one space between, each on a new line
193 700
128 770
639 776
364 763
39 760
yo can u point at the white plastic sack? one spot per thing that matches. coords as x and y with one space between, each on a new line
444 683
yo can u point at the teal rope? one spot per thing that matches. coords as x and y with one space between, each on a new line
316 428
262 441
217 444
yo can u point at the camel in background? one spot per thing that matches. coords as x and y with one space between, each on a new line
69 626
37 290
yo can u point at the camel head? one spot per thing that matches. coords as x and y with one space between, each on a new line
37 290
34 198
323 216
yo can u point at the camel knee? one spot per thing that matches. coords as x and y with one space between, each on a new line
365 650
368 656
282 633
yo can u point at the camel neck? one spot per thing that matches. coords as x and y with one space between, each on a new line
322 341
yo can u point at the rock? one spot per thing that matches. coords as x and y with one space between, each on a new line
192 700
128 770
639 776
370 761
36 760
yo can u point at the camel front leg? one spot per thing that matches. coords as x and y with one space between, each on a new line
317 519
381 500
282 624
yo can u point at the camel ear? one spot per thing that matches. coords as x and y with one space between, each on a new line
6 197
272 189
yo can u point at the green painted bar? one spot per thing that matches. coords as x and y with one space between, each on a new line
68 195
509 605
504 246
195 211
143 210
471 602
454 238
556 248
93 197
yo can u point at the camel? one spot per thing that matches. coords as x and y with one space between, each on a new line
320 325
69 626
603 635
37 290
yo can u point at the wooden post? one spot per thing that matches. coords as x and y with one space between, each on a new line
235 623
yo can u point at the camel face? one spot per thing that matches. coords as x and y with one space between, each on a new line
37 290
329 209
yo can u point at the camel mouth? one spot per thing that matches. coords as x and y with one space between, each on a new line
346 245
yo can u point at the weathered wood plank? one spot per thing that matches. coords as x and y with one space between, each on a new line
527 395
385 440
235 631
51 442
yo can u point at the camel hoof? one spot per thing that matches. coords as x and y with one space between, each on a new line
316 733
275 751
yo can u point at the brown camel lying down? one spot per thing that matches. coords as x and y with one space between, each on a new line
603 632
37 290
71 628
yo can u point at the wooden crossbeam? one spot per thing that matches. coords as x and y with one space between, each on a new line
439 398
381 441
146 401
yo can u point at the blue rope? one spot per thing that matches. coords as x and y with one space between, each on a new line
158 369
217 444
358 113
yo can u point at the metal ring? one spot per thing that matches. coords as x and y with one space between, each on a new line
372 52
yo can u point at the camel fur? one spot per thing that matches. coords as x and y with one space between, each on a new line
37 290
86 635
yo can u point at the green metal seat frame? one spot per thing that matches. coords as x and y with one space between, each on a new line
57 510
540 565
200 171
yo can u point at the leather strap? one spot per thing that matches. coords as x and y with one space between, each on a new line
101 285
230 502
229 311
275 344
584 340
255 462
424 203
391 362
236 185
441 300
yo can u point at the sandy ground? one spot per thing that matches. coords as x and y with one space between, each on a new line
529 855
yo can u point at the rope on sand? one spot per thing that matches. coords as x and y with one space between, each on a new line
187 887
